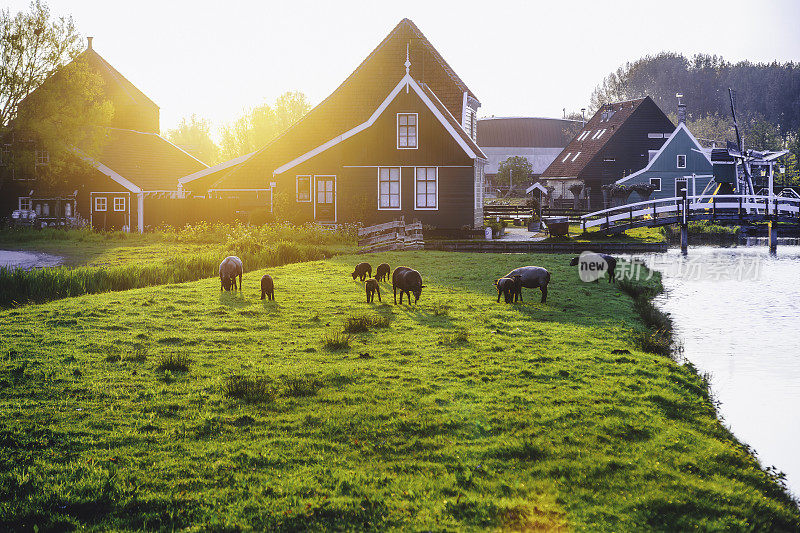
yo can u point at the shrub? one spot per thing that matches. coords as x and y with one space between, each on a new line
362 323
174 362
336 341
657 342
249 389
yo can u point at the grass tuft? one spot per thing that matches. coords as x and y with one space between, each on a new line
249 389
363 323
302 386
174 362
657 342
458 337
336 341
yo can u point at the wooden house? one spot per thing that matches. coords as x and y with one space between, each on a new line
680 164
126 183
396 139
616 142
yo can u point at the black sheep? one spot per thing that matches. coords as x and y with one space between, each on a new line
532 277
267 287
510 287
382 272
362 271
610 260
372 286
409 281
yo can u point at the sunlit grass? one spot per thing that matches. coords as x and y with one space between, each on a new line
462 414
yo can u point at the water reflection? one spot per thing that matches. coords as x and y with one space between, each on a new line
746 334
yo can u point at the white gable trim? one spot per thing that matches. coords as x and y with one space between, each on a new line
406 82
210 170
681 126
110 173
536 186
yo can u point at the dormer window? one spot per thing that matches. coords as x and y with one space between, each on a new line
406 130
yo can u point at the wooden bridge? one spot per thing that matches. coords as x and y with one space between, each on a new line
724 209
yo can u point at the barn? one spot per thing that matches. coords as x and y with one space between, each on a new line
396 139
130 183
616 142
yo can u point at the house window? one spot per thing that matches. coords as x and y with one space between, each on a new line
656 182
655 135
406 130
566 157
25 204
426 187
119 204
681 185
100 203
5 155
303 188
42 157
681 161
389 188
68 210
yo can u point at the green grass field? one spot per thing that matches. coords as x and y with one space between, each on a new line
176 406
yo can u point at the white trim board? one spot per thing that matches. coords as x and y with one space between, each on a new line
406 81
110 173
681 126
536 186
210 170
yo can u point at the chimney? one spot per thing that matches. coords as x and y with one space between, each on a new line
89 43
681 109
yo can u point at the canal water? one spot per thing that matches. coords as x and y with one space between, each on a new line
737 313
27 260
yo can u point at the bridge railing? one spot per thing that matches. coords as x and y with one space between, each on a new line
673 207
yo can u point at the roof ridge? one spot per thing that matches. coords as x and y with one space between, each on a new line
114 72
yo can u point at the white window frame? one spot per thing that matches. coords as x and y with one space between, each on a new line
28 201
416 133
659 184
98 203
436 186
399 188
566 157
576 157
297 188
678 160
121 199
655 135
42 157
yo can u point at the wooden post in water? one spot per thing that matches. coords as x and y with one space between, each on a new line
684 224
773 237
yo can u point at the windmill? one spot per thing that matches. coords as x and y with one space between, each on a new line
733 165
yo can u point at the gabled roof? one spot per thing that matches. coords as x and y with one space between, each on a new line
114 80
141 161
356 99
598 132
508 132
681 127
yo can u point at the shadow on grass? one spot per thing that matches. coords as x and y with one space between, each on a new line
234 299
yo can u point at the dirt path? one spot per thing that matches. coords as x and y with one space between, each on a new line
28 260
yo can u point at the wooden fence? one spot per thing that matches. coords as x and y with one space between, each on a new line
395 235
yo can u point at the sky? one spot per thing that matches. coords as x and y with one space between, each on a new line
218 58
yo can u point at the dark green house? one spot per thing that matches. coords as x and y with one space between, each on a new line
680 163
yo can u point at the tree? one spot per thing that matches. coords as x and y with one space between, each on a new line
194 137
515 169
257 127
50 102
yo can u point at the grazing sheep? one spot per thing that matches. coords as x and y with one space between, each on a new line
409 281
610 260
531 277
230 267
505 286
267 287
372 287
362 271
383 271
